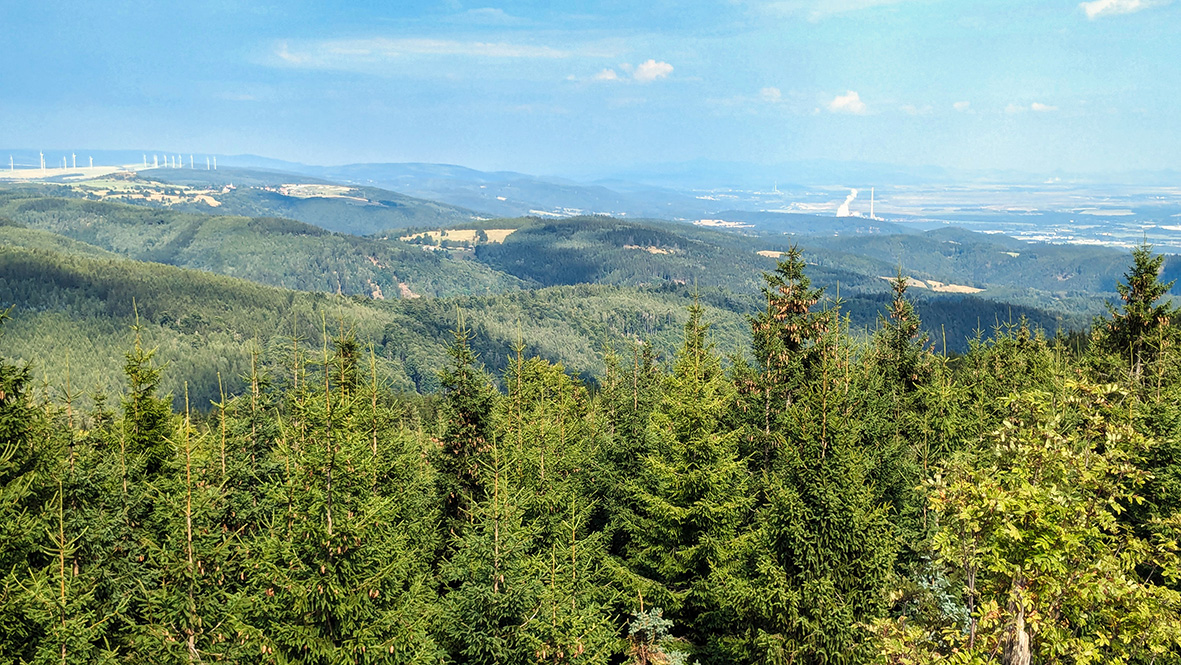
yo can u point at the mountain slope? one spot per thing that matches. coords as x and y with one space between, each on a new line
266 250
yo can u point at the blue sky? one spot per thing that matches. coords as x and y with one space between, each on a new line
594 87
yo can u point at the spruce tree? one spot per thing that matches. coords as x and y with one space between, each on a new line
694 491
465 439
812 566
1137 330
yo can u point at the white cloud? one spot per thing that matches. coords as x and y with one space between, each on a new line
649 71
607 75
1036 107
1098 8
962 106
911 109
850 102
771 95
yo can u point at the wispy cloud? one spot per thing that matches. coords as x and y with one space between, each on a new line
962 107
1098 8
366 52
771 95
607 75
1036 107
490 16
850 102
911 109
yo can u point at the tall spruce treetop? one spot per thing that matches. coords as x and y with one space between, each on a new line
147 419
901 342
1137 330
786 346
467 429
787 326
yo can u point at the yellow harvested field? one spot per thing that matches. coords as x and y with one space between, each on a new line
469 236
650 250
938 287
498 235
299 191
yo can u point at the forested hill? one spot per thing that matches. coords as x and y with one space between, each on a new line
621 282
358 210
823 498
273 251
85 301
76 310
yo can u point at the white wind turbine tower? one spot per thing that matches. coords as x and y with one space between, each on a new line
42 161
92 162
145 160
11 165
74 156
871 203
206 163
215 162
155 161
190 161
65 164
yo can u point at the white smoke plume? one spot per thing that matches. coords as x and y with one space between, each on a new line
843 211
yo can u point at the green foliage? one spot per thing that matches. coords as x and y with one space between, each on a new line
1139 330
693 491
1029 530
828 498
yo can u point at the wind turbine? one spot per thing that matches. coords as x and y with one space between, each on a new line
92 162
206 163
11 166
155 161
74 156
145 160
190 161
215 162
42 161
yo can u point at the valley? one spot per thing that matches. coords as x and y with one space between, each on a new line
575 285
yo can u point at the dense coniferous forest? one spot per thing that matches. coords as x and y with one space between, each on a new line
822 496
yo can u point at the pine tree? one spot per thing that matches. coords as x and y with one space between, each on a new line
492 591
146 418
1137 331
785 337
694 491
341 574
466 416
812 566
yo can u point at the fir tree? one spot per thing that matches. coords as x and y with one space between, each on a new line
694 491
1137 331
465 439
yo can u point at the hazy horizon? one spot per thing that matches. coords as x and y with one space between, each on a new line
605 87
